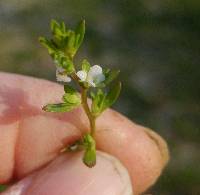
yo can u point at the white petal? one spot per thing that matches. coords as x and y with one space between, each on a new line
62 78
95 70
82 75
99 78
95 75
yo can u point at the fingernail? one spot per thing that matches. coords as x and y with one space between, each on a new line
68 175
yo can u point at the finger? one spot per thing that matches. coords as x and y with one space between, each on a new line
39 138
142 151
68 175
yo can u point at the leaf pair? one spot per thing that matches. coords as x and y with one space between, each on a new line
102 101
71 100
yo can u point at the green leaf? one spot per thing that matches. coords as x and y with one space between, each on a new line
70 48
110 75
48 44
55 27
85 65
92 94
80 32
63 27
112 96
97 102
102 101
89 157
71 100
61 60
61 107
71 96
68 65
71 40
58 29
69 89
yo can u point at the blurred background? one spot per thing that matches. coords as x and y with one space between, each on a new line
156 44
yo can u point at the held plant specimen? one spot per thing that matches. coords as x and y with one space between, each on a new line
91 82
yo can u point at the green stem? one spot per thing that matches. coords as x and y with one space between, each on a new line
91 117
87 111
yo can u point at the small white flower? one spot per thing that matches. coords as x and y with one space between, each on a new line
82 75
93 77
60 76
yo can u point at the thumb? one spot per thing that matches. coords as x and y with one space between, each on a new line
68 175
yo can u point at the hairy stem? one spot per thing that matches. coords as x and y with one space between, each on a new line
87 111
91 117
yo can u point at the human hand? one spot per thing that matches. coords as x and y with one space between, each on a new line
31 140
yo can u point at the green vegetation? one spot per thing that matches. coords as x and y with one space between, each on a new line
62 48
156 46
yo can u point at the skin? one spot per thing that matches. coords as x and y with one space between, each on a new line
31 140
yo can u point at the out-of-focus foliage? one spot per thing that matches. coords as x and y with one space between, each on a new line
156 45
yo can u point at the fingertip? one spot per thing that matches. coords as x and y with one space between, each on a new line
68 175
143 152
161 144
